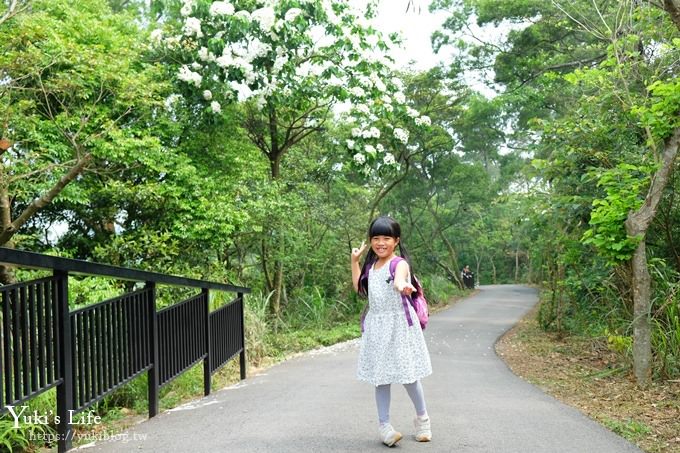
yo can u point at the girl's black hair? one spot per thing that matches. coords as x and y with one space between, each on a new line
382 226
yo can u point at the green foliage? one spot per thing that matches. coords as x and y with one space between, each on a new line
439 290
661 114
629 429
26 435
665 320
90 290
623 186
619 343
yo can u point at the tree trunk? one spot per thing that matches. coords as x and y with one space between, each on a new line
516 264
637 224
493 271
673 10
642 331
275 154
453 256
7 276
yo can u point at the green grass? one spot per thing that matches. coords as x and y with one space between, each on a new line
629 429
292 341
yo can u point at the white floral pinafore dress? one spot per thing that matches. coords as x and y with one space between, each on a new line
391 351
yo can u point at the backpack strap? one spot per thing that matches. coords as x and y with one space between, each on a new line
362 277
404 299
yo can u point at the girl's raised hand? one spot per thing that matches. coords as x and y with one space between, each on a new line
405 288
357 252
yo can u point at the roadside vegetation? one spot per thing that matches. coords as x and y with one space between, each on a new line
214 140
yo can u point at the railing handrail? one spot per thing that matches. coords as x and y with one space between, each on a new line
39 261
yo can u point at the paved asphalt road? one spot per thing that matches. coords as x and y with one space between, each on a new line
313 403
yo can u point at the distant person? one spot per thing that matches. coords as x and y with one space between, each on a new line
392 349
468 278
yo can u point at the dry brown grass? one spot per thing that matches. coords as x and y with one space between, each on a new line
585 374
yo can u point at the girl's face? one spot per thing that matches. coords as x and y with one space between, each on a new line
384 246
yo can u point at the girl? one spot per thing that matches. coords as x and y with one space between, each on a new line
391 351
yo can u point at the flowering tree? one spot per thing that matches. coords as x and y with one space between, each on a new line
291 62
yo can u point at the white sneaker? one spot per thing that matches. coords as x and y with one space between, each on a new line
388 435
423 430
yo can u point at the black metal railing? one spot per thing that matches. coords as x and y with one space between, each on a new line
182 332
110 345
89 352
224 347
30 341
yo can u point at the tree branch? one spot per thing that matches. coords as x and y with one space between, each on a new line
638 221
45 199
13 9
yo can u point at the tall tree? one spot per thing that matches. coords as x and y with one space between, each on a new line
73 88
290 63
598 81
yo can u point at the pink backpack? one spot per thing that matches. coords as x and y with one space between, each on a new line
416 299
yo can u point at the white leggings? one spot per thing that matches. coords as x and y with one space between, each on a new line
382 400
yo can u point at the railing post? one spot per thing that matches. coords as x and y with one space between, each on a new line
206 362
65 361
153 346
242 356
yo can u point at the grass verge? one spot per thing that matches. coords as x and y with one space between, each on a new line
585 374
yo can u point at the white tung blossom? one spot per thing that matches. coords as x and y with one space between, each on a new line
279 63
356 132
225 61
357 91
187 7
172 42
350 144
362 108
389 159
203 54
257 48
335 81
292 14
215 107
265 17
398 83
207 95
413 113
370 149
423 120
171 100
156 36
193 27
400 97
359 158
187 75
401 135
243 91
221 9
243 14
